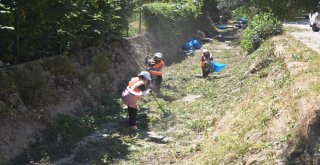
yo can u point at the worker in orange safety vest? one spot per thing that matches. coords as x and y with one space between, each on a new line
137 87
155 69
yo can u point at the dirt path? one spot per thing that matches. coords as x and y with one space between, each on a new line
305 35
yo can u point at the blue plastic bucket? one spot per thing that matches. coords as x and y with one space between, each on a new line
217 67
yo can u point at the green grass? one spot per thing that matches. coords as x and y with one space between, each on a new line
236 115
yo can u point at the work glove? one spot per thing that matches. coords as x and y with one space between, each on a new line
146 92
151 62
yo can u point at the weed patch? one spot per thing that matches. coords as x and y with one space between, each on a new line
61 66
199 125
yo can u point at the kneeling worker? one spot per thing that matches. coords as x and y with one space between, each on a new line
205 60
136 88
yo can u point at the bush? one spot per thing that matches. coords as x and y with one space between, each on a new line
61 66
171 19
52 27
199 125
262 26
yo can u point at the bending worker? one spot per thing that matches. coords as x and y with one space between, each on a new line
205 60
137 87
155 69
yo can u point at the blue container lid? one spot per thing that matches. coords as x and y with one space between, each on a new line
217 67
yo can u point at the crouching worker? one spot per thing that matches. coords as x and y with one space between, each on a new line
155 69
205 60
136 88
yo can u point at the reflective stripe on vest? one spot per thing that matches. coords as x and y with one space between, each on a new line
156 68
134 83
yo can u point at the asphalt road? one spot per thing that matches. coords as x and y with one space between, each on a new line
305 35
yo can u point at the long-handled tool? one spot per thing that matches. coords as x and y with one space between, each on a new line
165 114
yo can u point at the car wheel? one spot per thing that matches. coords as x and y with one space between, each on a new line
315 28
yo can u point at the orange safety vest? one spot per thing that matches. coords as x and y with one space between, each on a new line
133 85
156 68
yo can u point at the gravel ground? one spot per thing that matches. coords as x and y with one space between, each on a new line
305 35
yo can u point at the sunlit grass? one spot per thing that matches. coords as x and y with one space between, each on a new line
238 115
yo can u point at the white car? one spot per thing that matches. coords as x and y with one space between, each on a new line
314 19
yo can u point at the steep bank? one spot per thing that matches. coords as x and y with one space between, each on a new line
33 94
260 110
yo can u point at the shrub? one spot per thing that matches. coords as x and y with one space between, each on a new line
101 63
171 19
61 65
262 26
199 125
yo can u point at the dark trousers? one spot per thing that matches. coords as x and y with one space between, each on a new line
132 116
205 71
157 82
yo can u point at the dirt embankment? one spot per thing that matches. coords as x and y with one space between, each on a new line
305 77
34 93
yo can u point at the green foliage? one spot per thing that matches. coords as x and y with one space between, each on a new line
67 131
199 125
242 11
168 20
171 13
61 137
61 65
282 9
101 63
39 92
52 27
262 26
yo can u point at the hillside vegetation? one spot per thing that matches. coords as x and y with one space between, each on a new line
248 113
251 112
262 109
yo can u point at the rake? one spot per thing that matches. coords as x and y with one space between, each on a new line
164 113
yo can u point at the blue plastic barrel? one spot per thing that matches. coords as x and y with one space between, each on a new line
217 67
187 46
196 44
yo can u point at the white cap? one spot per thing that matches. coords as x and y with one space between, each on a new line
159 55
205 51
145 74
